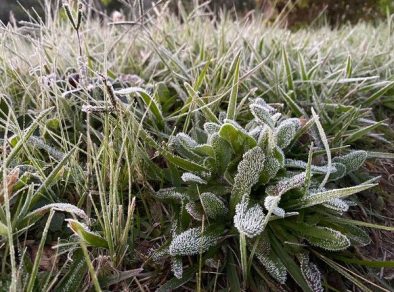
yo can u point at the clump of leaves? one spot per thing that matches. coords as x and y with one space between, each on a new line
242 182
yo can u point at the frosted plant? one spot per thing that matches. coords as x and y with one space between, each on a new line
235 171
191 242
249 220
262 114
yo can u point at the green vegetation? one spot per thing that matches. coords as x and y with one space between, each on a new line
243 155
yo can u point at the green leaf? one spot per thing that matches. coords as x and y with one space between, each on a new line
3 229
237 138
232 104
86 235
184 163
223 153
357 135
76 272
320 236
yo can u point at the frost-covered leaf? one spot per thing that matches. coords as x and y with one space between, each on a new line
325 238
213 206
176 266
286 184
271 168
270 261
325 196
211 128
191 242
223 153
195 210
169 194
311 273
286 131
271 202
299 164
262 114
248 173
192 178
249 220
353 161
340 171
324 140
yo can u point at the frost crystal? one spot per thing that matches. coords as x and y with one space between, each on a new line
249 221
192 178
249 170
213 206
262 114
184 139
191 242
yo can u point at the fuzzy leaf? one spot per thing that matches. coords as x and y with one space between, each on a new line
286 131
195 210
169 194
223 153
191 242
177 267
249 221
322 237
311 273
262 114
325 196
213 206
353 161
248 173
271 168
237 137
189 177
287 184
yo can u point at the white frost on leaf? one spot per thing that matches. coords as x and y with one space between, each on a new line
189 177
191 242
249 221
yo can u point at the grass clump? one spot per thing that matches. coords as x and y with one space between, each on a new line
231 149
